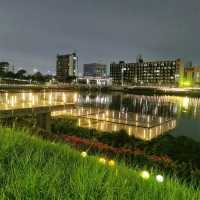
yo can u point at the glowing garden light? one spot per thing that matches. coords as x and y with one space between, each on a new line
102 160
159 178
145 175
111 163
84 154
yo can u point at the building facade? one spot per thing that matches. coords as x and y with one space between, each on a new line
66 66
192 76
94 81
95 70
158 73
4 67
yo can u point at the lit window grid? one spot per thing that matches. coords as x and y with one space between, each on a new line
148 72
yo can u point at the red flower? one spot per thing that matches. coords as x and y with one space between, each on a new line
77 141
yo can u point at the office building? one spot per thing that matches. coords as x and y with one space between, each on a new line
95 70
158 73
66 66
4 67
192 76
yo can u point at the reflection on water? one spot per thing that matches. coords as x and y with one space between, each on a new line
185 110
141 126
115 111
166 106
139 132
132 119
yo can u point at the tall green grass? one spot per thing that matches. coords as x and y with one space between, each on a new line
31 168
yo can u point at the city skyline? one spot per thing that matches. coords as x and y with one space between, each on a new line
34 32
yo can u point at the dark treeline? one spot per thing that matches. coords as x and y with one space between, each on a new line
23 75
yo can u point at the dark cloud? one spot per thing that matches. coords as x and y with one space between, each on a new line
33 32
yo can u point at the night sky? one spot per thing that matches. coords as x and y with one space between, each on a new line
33 32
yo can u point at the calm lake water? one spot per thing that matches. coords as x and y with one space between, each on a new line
144 116
184 110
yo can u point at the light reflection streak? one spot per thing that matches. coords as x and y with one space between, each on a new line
99 121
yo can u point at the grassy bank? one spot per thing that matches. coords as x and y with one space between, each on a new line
183 152
31 168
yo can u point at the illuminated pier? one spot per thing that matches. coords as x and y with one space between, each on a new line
141 126
39 105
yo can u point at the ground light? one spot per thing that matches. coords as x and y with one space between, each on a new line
159 178
145 175
102 160
84 154
111 163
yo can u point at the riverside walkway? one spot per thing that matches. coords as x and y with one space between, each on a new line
39 105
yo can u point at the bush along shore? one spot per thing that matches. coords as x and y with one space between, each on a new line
177 157
34 168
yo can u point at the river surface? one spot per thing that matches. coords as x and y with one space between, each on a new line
145 117
183 111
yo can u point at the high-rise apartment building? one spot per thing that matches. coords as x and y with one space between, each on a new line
66 67
95 70
164 72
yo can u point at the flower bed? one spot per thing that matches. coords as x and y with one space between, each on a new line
92 145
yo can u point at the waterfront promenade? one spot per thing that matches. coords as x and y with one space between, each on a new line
143 90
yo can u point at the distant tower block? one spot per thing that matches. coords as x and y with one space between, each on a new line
139 59
66 66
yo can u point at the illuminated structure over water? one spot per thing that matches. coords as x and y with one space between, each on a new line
141 126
